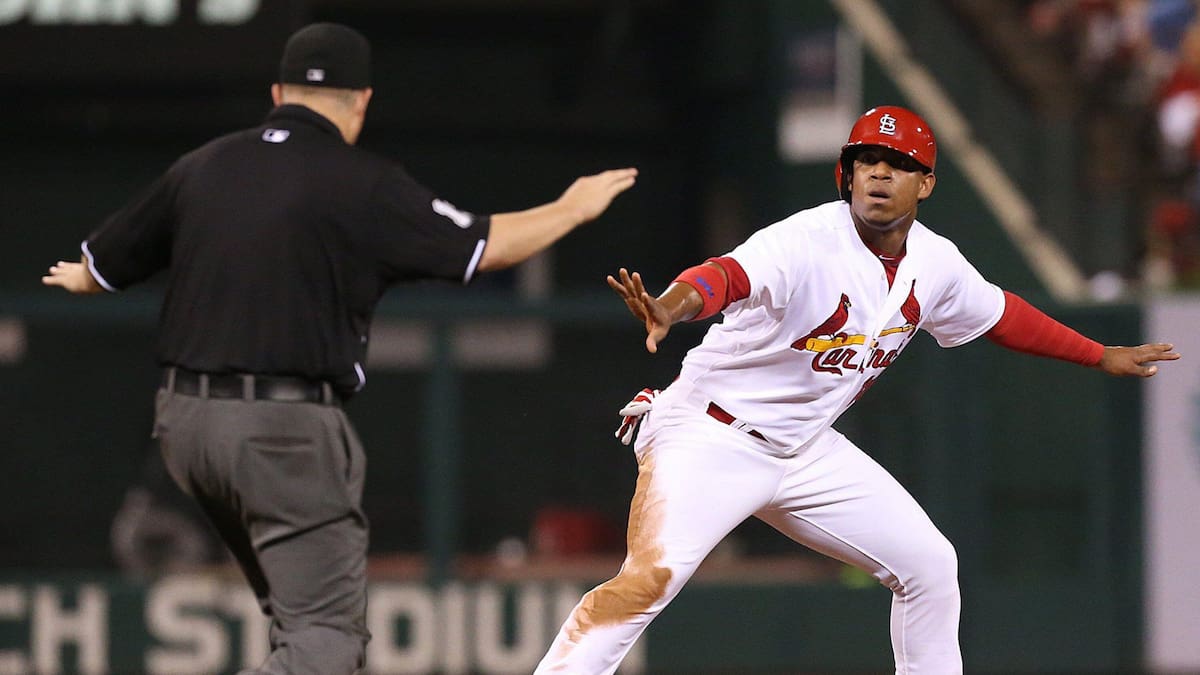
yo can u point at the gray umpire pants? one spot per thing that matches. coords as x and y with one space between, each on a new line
282 482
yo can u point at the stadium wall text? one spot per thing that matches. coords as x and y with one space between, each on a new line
204 624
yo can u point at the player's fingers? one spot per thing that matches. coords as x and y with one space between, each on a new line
620 290
1149 353
638 286
616 286
1161 352
1152 352
622 280
631 283
631 301
623 275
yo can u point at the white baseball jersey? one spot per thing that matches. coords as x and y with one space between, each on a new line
820 322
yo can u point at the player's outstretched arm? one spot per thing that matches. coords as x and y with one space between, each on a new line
679 302
1132 361
516 236
1025 328
72 277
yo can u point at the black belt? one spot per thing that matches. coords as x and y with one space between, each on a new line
249 387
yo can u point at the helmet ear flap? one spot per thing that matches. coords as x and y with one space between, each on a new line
842 173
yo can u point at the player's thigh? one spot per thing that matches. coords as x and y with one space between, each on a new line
697 480
845 505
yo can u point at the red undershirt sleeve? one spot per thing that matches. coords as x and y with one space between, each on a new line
1024 328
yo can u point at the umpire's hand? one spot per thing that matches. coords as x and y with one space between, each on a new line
73 277
589 196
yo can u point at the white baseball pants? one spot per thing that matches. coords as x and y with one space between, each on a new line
698 478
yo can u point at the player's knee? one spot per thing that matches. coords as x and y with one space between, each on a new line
631 592
944 560
937 569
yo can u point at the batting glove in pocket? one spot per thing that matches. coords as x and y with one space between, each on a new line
632 413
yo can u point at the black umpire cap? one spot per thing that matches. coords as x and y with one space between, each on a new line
327 55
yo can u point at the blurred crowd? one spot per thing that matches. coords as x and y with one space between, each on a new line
1144 55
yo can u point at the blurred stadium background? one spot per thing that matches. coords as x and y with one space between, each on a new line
496 490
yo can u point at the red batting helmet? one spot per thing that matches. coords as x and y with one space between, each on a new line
892 127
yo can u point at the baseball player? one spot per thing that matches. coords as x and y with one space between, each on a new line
815 307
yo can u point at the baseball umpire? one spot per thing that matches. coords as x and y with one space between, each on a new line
279 241
816 307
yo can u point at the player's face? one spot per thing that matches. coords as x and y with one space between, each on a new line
885 187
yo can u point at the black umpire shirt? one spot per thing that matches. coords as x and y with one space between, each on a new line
279 241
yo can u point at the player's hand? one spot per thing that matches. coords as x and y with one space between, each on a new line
643 306
589 196
73 277
1133 360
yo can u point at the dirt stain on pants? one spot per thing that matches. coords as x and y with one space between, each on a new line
641 581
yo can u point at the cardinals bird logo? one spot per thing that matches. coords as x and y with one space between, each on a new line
828 335
828 339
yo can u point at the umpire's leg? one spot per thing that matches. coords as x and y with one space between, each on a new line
291 477
300 493
300 643
317 599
